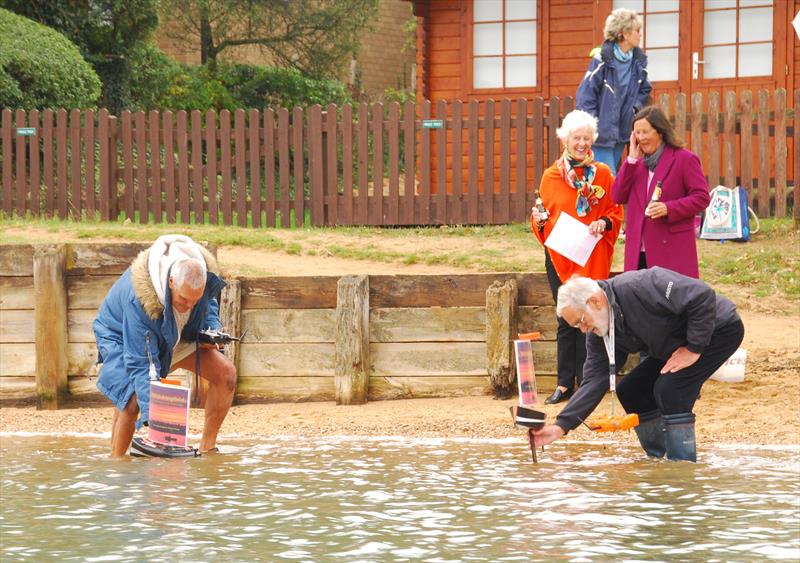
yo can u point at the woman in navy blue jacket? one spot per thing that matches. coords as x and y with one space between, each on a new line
615 87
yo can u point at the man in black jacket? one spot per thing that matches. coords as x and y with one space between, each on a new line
687 332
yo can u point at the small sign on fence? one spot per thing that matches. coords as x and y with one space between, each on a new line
26 131
432 123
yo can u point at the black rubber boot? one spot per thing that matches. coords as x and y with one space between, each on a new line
680 436
651 433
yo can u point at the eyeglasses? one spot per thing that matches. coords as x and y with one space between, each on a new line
580 322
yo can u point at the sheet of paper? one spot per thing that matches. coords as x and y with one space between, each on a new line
572 239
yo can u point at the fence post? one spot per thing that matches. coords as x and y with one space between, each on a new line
501 329
50 314
113 169
230 314
352 340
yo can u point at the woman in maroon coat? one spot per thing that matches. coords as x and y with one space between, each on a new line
660 231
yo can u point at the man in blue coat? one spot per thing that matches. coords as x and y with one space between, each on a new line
148 325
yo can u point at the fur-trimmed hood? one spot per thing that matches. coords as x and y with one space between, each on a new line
143 285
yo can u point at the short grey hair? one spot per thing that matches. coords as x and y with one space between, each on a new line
577 119
620 21
190 272
575 293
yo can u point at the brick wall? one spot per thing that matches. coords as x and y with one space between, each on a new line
381 59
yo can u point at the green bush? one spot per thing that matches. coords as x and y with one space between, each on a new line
260 87
153 75
40 68
198 88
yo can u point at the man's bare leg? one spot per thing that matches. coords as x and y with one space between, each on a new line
218 370
123 425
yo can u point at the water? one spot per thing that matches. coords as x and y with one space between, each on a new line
360 499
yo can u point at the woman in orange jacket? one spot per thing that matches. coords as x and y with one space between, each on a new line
579 186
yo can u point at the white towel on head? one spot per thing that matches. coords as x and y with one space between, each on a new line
166 250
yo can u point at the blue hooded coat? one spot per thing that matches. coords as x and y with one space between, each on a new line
133 329
600 94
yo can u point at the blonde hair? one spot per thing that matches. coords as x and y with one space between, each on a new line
619 21
574 120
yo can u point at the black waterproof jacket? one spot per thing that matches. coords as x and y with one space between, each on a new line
655 311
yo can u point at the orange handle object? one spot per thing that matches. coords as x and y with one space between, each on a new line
171 381
530 336
613 423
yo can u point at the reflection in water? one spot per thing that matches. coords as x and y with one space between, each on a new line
361 499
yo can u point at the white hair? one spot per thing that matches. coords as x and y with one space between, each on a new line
574 120
575 293
188 272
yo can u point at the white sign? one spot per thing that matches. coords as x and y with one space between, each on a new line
572 239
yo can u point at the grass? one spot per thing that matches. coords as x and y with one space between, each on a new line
769 265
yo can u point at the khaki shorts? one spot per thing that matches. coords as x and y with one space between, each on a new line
182 351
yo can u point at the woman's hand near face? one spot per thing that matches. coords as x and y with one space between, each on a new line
634 151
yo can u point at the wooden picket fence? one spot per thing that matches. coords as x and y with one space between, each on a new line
455 163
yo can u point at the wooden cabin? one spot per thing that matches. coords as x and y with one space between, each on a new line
494 49
483 49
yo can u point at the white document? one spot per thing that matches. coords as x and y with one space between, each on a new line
572 239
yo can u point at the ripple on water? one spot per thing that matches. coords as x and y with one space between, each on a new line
399 500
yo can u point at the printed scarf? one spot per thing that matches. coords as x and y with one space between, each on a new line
588 195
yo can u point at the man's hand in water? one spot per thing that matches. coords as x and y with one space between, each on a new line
546 435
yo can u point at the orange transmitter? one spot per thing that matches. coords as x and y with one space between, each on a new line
613 423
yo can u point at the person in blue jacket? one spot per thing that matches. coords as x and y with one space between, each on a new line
148 326
615 86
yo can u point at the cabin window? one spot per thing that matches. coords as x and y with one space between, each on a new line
504 43
737 38
660 38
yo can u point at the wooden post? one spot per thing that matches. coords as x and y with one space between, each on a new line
501 329
352 340
230 309
50 292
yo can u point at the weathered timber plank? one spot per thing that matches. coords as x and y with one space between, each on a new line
387 387
310 292
102 258
463 290
83 387
82 358
259 360
17 325
428 358
351 370
79 325
18 360
16 292
285 388
542 319
289 325
17 388
105 258
16 259
88 292
50 324
445 358
501 330
440 324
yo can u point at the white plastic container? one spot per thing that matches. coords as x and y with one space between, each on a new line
732 371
